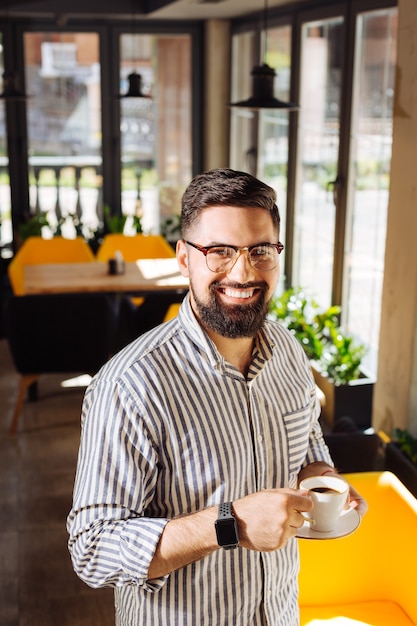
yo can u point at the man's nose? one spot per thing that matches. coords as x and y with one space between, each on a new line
242 265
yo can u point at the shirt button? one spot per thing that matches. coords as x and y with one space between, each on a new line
260 438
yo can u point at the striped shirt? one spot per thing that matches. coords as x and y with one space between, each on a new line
170 427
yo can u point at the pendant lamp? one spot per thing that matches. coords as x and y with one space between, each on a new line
135 87
263 77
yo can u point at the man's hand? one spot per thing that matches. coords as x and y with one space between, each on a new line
317 469
268 519
357 502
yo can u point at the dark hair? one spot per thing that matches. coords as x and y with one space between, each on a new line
226 187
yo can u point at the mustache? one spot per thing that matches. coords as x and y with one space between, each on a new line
252 285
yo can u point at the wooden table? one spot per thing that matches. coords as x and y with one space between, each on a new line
141 277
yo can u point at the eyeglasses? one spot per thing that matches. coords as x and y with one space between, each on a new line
262 256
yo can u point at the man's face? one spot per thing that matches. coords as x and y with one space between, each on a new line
232 304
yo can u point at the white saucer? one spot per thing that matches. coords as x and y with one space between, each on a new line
348 522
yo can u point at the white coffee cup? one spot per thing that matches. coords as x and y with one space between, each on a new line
329 495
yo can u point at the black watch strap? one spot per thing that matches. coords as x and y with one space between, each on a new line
225 510
226 527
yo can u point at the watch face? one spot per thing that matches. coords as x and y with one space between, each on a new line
226 532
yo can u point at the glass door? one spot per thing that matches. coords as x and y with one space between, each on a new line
318 151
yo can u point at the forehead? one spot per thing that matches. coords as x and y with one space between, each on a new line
231 224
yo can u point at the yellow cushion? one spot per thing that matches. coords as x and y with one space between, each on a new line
134 247
36 250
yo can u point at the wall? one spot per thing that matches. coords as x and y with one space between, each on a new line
395 400
216 113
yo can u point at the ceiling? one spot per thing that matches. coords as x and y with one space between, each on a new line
144 9
209 9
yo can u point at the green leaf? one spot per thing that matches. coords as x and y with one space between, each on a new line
337 354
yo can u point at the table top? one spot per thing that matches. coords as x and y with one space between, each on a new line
142 276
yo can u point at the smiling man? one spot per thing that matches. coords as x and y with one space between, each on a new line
196 435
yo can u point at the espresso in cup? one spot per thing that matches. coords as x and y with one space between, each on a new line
329 495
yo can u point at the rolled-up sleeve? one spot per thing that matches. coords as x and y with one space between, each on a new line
111 540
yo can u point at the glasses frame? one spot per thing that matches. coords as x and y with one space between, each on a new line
238 249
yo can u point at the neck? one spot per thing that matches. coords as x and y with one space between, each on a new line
238 352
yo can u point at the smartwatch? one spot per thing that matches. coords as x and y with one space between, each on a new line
226 527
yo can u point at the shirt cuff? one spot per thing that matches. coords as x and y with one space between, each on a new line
138 542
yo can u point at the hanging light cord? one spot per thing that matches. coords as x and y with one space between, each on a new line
265 31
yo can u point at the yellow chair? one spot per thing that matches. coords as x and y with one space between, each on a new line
369 577
36 250
134 247
172 311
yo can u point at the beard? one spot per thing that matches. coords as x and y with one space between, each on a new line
232 321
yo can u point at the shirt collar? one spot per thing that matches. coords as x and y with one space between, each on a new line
262 351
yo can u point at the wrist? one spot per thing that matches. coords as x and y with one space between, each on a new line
317 468
226 527
329 470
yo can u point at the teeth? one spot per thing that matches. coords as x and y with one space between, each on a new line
235 293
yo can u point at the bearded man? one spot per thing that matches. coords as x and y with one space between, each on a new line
196 436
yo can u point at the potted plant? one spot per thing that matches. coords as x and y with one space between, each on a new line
171 229
336 358
401 458
32 226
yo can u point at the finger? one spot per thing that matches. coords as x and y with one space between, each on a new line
359 505
302 502
299 519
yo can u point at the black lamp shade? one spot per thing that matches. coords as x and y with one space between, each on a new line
263 91
135 87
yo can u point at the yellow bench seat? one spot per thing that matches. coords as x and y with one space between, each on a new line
377 613
369 577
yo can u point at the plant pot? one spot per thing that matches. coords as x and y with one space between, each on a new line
399 464
353 399
355 452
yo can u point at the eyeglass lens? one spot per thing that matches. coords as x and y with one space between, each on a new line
263 258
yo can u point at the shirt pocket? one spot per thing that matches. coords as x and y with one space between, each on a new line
297 426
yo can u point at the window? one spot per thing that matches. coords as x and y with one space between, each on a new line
336 189
274 124
318 140
5 202
64 130
368 181
259 142
243 151
156 131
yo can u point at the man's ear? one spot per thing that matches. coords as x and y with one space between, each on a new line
182 257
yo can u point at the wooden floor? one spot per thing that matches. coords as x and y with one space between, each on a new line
37 584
